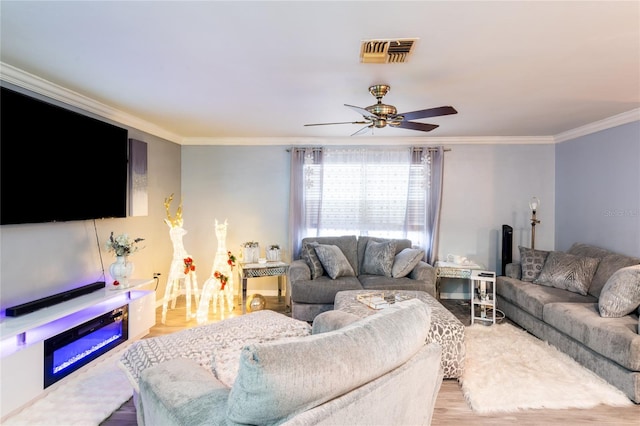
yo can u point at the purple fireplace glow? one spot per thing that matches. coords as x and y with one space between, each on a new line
74 348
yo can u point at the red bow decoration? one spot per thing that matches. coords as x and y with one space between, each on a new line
188 265
223 279
232 259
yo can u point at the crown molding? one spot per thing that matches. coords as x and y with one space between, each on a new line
374 141
31 82
607 123
43 87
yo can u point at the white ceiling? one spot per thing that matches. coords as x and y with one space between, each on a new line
209 70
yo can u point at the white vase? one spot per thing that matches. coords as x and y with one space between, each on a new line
121 270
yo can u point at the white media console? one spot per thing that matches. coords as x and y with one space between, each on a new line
22 338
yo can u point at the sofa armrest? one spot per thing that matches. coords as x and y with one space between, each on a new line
182 392
299 271
427 273
513 270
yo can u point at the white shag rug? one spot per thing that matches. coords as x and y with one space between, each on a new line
507 369
85 398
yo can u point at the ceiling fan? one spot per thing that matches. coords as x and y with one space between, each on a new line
380 115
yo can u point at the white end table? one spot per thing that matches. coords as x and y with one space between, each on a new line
258 270
483 297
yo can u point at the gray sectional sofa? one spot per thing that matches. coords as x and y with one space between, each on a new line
371 264
585 302
344 373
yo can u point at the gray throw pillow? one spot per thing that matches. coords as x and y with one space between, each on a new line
531 262
568 272
405 261
308 254
621 294
378 258
334 261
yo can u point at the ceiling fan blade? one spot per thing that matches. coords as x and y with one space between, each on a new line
362 111
431 112
362 130
343 122
423 127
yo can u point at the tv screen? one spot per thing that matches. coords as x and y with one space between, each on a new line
57 164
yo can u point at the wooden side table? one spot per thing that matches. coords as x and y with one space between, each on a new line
258 270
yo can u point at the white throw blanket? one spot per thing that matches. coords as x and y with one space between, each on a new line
215 346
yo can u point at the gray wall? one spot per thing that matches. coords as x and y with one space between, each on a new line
598 190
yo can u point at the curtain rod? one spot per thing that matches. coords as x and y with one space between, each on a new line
318 148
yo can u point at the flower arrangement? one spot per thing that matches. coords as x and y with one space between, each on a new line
122 245
222 278
232 259
274 247
250 244
189 265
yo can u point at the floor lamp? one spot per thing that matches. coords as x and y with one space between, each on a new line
534 203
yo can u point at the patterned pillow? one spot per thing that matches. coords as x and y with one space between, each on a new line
405 261
568 272
378 258
621 294
334 261
308 254
531 262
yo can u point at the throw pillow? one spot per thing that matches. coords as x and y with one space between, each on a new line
405 261
568 272
332 320
378 258
308 254
621 294
334 261
531 262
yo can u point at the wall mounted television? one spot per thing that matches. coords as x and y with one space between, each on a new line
57 165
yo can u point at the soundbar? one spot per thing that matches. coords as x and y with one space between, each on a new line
26 308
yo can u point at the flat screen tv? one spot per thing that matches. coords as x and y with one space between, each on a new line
58 165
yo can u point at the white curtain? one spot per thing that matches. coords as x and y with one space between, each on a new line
376 191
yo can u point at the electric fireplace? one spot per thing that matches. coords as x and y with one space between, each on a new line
74 348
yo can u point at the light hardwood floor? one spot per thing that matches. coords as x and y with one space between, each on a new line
451 407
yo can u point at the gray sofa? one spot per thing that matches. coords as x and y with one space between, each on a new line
376 264
585 302
350 371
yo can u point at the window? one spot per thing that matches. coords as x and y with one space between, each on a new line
382 192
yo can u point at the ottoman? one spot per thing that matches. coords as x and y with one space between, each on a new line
445 329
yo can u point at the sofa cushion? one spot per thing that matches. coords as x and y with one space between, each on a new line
378 258
348 244
613 338
568 272
332 320
621 294
309 255
531 262
268 389
607 267
334 261
532 298
405 261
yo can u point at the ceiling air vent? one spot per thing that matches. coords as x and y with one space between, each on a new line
386 51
